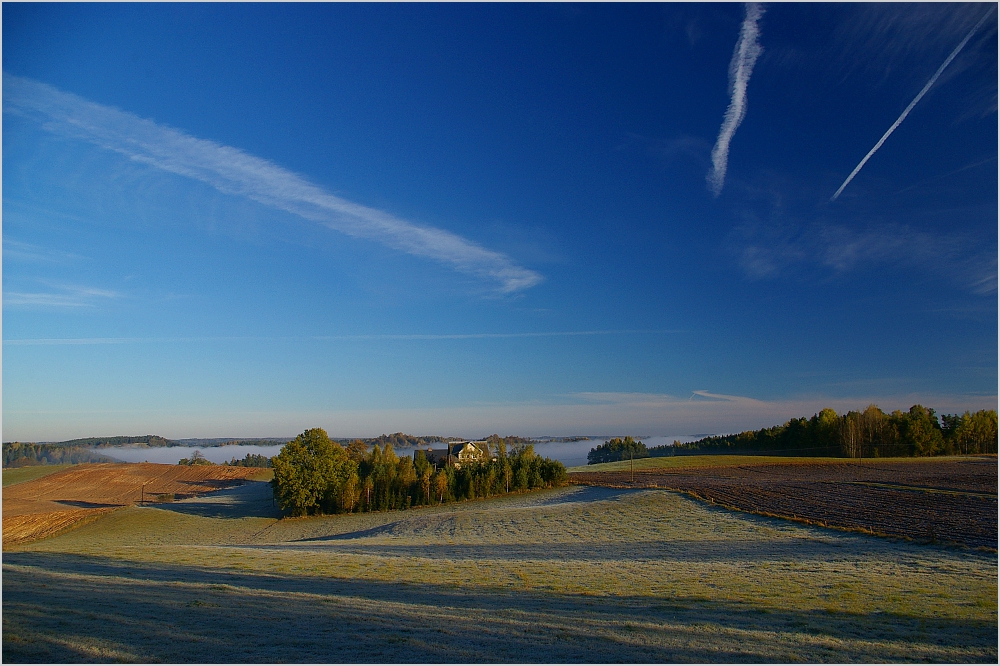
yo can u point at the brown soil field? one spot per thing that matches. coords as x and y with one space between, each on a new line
949 500
54 503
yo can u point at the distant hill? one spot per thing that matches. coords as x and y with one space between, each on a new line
157 441
120 440
229 441
399 440
72 451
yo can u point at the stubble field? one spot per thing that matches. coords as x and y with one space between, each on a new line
577 574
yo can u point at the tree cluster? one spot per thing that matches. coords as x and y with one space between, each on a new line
197 458
617 449
250 460
314 475
869 433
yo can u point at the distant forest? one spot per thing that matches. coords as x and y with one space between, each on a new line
24 454
870 433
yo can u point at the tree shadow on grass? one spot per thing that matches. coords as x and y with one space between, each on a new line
250 499
580 495
63 608
616 551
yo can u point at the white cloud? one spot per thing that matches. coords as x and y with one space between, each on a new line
767 251
64 297
233 171
29 252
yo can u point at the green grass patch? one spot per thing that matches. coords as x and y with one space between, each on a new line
13 475
265 474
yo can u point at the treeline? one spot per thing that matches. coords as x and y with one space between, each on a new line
870 433
24 454
121 440
617 449
315 475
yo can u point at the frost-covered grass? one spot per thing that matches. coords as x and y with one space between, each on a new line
573 574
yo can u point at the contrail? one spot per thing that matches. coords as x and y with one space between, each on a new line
909 108
740 67
233 171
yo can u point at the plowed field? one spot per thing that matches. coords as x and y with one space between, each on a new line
39 508
948 500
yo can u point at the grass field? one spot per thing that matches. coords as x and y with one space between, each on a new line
573 574
21 474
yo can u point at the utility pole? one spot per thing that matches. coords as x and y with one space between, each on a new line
631 464
142 495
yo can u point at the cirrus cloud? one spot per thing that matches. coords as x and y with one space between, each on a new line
236 172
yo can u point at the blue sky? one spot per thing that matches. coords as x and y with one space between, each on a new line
248 220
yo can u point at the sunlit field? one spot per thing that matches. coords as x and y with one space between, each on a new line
573 574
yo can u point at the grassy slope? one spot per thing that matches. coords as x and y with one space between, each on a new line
12 475
575 574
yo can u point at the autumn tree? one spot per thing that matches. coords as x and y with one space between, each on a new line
310 474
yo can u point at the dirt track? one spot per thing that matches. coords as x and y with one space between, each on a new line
950 500
51 504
